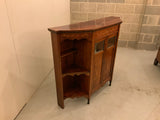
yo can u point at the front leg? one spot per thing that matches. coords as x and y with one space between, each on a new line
156 62
88 101
110 82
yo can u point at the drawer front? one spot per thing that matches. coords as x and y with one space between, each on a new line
76 35
105 32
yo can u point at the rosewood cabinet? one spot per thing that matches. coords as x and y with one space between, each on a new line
157 59
84 55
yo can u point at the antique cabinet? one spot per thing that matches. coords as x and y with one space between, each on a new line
84 55
157 59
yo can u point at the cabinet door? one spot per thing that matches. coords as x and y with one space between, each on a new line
98 56
108 58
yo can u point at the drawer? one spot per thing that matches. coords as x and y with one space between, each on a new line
105 32
76 35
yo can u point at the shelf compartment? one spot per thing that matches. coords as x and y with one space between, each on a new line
74 93
68 52
75 70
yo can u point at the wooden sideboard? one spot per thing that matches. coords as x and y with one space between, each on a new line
84 55
157 59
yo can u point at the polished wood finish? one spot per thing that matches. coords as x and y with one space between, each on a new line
84 55
157 59
88 26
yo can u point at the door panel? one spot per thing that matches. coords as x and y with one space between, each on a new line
98 55
108 58
97 69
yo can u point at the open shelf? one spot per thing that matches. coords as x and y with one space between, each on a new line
68 52
75 63
75 86
75 70
74 93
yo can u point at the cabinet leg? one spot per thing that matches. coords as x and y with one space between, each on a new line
88 101
61 105
156 62
110 82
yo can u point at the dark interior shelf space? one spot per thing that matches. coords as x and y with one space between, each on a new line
68 52
75 70
74 93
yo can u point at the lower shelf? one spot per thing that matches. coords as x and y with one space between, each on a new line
74 93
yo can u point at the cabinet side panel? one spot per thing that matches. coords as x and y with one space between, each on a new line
83 56
97 70
91 39
57 66
117 36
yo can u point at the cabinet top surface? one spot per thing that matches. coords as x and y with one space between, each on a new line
88 25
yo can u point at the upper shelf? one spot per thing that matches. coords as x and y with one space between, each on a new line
68 52
88 25
75 70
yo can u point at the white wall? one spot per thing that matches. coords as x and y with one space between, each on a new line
25 48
